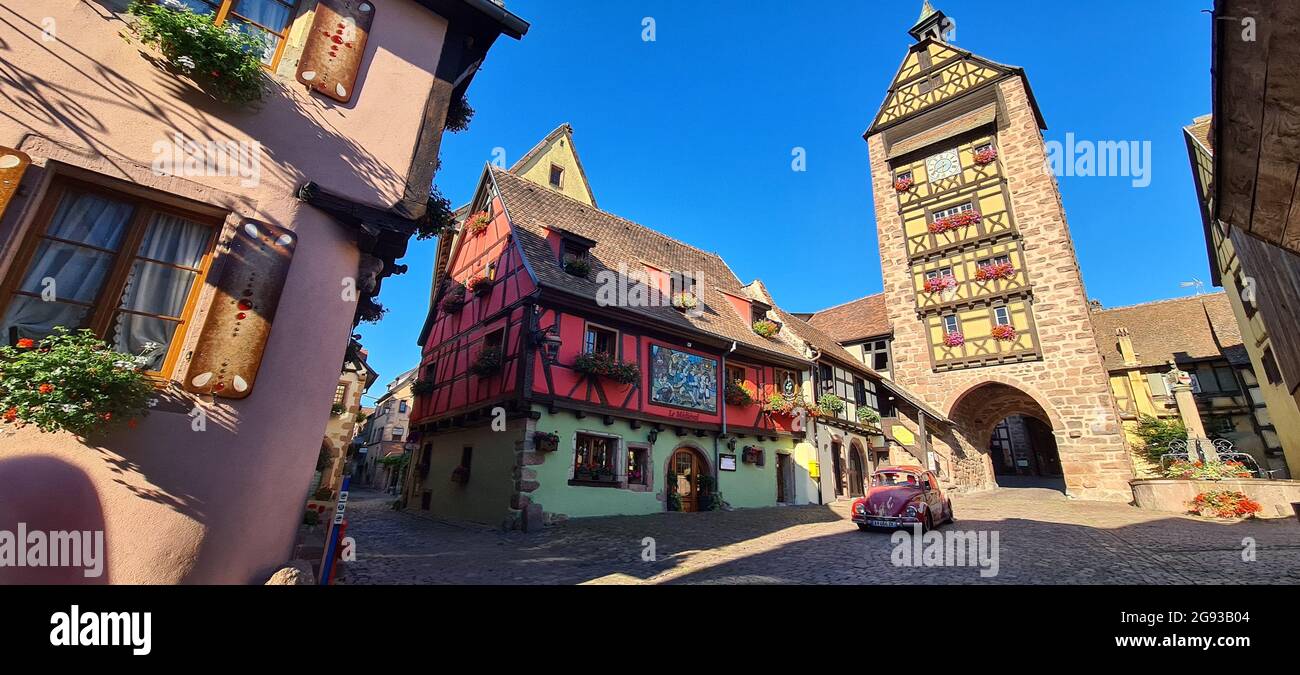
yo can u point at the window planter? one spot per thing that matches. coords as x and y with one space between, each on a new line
221 60
488 362
954 339
1004 333
954 221
986 156
577 267
830 405
546 442
73 382
478 224
940 284
766 328
868 416
685 301
422 387
454 300
740 394
599 364
480 286
994 271
904 184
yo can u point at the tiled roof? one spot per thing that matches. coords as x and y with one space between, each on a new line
1202 130
620 242
857 320
1183 329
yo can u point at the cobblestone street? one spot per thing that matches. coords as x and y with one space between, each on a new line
1044 539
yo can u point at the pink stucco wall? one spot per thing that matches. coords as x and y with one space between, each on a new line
221 505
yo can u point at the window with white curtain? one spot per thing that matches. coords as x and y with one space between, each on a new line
123 267
267 20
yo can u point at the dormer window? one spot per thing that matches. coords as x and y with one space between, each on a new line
574 252
557 176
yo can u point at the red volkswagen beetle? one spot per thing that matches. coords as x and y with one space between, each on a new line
902 496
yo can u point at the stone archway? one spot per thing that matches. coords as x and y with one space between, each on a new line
978 411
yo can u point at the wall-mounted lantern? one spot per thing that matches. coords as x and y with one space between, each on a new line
549 342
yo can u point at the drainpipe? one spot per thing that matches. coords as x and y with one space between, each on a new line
717 473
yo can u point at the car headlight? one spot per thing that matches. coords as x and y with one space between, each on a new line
859 508
911 511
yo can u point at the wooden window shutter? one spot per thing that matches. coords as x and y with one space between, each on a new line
12 166
229 350
331 59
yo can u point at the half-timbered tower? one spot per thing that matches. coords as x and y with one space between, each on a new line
982 287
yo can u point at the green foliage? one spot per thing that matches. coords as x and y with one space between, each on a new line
600 364
868 415
459 114
395 461
224 61
578 267
1210 471
1157 433
71 381
830 404
323 458
438 219
740 393
766 328
487 363
422 387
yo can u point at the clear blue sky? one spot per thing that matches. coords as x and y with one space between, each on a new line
692 134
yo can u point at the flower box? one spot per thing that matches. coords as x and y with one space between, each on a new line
986 156
1004 333
577 267
599 364
1224 504
740 394
478 224
454 299
221 60
868 416
954 339
1211 471
940 284
766 328
941 225
488 362
994 271
685 301
904 184
546 442
480 286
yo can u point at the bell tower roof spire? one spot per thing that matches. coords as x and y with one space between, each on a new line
932 24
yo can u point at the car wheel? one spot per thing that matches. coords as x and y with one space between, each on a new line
952 517
928 523
863 528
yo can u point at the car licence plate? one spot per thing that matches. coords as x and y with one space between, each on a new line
882 523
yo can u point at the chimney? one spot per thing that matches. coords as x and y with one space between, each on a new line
1126 346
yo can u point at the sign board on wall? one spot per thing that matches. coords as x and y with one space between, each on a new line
726 462
683 380
902 434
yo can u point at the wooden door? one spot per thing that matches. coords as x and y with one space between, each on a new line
782 466
857 472
837 467
684 477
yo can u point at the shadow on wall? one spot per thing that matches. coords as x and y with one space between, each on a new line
26 499
289 125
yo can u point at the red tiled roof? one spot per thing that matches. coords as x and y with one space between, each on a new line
853 321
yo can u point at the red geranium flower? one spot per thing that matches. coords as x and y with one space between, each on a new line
26 343
11 414
45 388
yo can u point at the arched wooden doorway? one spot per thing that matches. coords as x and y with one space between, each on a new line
857 471
684 470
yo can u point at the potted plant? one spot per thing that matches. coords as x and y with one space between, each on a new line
904 184
940 284
72 381
1004 333
685 301
488 362
338 409
710 499
830 405
766 328
422 387
546 442
454 299
460 475
986 156
991 271
740 393
954 339
480 286
777 404
578 267
600 364
868 416
478 223
221 60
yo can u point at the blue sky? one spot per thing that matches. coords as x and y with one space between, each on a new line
692 134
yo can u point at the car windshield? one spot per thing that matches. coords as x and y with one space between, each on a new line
896 478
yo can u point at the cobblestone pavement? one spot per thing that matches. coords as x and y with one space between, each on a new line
1044 539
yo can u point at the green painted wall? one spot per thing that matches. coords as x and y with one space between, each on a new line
486 498
748 487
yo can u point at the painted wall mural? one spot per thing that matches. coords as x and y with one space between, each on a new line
683 380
